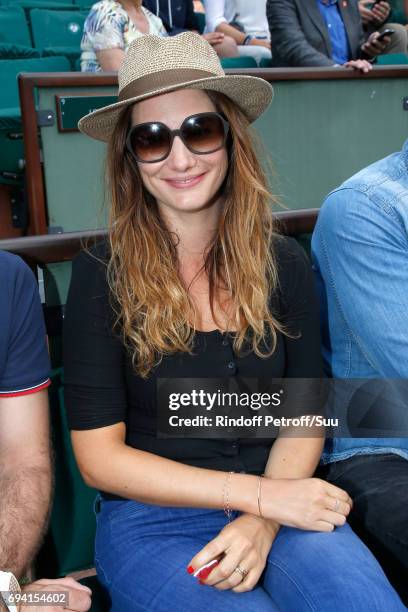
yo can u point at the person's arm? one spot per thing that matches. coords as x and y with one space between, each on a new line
25 478
110 59
288 39
364 264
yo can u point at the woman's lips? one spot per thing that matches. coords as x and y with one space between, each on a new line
185 184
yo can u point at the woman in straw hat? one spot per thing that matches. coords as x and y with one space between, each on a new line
194 283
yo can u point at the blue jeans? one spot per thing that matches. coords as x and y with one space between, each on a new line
142 552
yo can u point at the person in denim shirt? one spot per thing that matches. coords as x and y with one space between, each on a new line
360 257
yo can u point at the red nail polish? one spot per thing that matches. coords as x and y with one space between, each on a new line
190 569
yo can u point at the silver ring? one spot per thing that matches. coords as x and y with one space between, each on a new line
241 571
336 505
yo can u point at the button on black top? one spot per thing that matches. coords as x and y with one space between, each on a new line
231 365
225 342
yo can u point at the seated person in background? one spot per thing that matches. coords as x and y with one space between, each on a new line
244 21
179 16
360 254
374 17
109 29
25 456
319 33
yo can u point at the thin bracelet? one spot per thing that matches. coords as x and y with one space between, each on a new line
259 496
225 496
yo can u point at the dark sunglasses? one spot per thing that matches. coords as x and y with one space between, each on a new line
202 134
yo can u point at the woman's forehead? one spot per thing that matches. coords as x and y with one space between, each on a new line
172 107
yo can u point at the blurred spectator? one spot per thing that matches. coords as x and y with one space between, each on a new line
109 29
375 16
244 21
179 16
321 33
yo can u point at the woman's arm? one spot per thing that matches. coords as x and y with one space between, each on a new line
294 457
110 59
229 30
108 464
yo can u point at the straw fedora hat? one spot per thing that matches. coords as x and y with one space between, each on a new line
154 65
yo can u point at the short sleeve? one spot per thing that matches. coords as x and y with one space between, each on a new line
93 352
24 364
299 311
104 27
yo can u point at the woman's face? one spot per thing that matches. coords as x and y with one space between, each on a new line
184 181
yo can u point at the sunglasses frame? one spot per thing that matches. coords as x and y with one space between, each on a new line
179 133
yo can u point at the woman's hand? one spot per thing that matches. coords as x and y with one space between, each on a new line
306 503
214 38
245 543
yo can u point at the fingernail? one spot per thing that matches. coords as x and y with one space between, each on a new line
201 582
190 569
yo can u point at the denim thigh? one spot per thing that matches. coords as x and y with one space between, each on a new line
141 556
327 572
142 552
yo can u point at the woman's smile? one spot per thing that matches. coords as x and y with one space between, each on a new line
185 182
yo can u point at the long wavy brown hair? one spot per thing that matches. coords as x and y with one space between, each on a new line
155 312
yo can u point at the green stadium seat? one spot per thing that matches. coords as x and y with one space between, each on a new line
27 5
201 21
392 59
10 51
13 26
238 62
84 5
15 39
11 144
58 32
265 63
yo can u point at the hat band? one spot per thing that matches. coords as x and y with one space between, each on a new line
161 80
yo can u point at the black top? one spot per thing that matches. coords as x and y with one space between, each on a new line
101 388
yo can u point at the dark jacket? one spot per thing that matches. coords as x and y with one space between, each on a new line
300 36
177 15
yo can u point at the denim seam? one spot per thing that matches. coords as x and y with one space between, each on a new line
291 579
162 586
332 284
387 206
351 335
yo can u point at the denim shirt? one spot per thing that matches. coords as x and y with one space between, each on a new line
360 258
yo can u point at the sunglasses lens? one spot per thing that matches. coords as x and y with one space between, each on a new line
204 134
150 142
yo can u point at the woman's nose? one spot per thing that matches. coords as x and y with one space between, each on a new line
180 157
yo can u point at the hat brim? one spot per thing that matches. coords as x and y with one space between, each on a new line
251 94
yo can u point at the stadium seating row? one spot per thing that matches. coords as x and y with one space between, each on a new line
48 32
